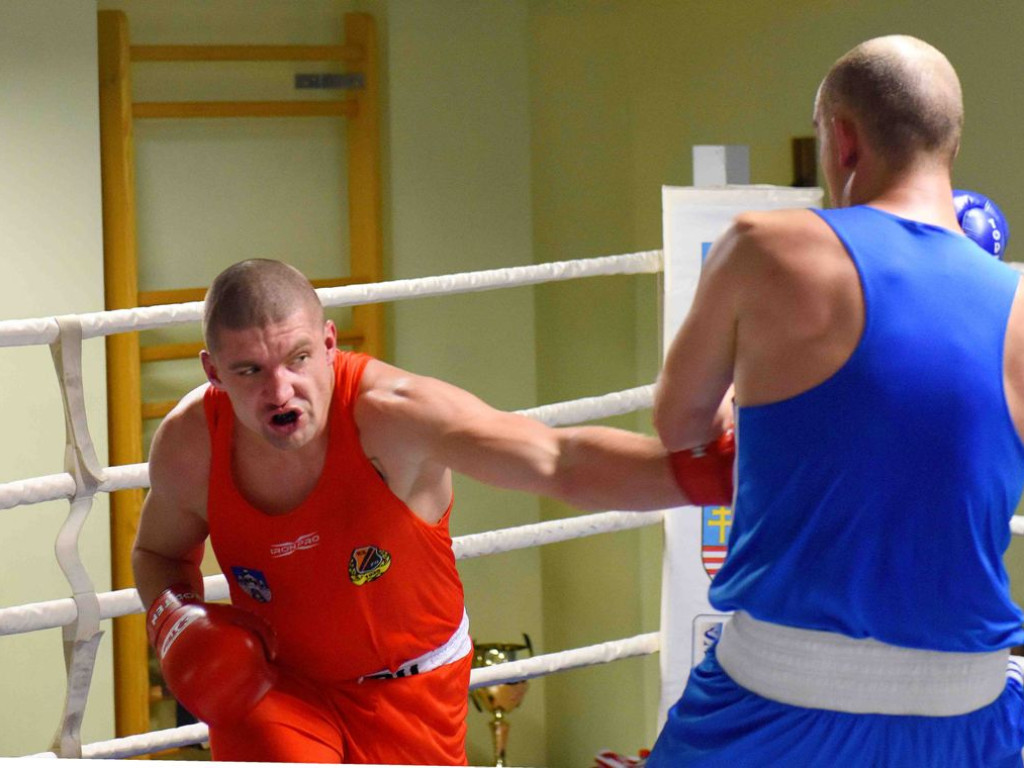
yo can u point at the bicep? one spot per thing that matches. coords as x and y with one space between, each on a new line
590 467
420 422
503 449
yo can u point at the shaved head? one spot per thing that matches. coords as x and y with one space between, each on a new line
904 94
256 293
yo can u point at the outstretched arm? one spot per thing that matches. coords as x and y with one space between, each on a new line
420 423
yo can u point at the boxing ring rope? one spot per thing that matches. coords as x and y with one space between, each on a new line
78 487
51 614
62 486
508 672
15 333
79 615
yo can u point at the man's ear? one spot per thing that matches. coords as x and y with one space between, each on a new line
210 369
847 142
330 340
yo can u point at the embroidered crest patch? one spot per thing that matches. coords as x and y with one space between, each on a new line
715 538
253 583
367 564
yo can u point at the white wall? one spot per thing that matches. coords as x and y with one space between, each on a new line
52 257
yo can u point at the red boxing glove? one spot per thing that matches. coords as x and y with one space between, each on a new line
215 658
704 473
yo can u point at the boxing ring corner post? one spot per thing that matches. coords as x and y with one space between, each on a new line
696 539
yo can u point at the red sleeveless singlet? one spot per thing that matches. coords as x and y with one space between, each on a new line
352 580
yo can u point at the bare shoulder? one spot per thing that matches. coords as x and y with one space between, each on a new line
390 392
179 461
383 390
761 248
390 410
414 414
777 236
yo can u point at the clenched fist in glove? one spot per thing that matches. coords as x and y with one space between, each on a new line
982 221
216 659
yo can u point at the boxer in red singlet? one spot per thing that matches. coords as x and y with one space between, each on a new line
323 479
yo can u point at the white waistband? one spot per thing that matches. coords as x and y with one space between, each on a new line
824 670
453 649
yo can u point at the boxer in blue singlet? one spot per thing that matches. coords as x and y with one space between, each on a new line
877 356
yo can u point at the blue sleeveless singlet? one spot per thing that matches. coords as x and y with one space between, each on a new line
877 504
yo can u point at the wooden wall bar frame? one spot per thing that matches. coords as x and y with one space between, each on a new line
124 388
124 357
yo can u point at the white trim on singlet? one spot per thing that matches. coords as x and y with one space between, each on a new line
454 648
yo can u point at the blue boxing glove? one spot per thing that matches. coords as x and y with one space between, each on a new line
982 221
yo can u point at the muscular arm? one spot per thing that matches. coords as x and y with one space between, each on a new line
414 424
172 528
693 399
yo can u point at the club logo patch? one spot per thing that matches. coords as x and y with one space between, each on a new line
367 564
253 583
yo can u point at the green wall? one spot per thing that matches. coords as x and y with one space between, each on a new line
620 92
459 200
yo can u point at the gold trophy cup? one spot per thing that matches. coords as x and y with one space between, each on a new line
501 699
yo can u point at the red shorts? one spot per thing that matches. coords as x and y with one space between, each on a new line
417 720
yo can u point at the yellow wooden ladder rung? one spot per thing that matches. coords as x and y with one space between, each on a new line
201 109
157 409
350 54
153 353
351 337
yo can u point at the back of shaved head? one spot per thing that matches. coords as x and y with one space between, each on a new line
904 93
254 294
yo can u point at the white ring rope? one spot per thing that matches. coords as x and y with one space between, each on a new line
141 744
57 613
587 656
593 408
535 534
14 333
62 486
508 672
65 612
80 615
37 489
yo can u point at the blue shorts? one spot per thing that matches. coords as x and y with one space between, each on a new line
718 723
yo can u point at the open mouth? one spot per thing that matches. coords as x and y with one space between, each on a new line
284 419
